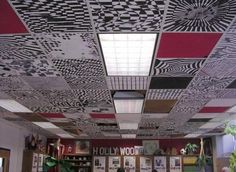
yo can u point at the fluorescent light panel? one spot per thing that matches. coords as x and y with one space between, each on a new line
128 54
13 106
46 125
128 105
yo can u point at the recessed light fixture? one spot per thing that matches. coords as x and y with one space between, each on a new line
13 106
46 125
130 136
128 54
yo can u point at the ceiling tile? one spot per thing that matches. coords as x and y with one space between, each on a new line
68 16
209 115
52 115
169 82
177 67
75 67
13 83
160 94
213 109
33 117
232 85
104 115
184 15
128 118
69 45
127 83
154 115
9 21
124 16
221 103
199 120
187 45
159 106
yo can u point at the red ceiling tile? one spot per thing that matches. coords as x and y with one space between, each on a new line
9 21
52 115
213 109
107 116
188 45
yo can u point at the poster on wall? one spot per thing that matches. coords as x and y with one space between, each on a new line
130 163
114 163
150 146
160 163
40 162
99 163
175 164
82 147
145 164
35 163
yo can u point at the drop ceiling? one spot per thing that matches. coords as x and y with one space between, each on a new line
56 71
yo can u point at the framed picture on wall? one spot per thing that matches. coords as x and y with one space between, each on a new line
150 146
82 147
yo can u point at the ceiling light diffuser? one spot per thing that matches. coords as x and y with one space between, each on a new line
128 54
13 106
128 106
46 125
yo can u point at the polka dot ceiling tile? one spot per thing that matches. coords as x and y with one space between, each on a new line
142 15
9 21
69 45
54 16
177 67
199 16
187 45
169 82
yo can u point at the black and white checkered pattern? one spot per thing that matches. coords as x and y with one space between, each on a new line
132 15
164 94
54 16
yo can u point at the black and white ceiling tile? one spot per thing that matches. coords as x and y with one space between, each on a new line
57 65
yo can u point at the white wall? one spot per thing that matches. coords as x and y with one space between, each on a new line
12 137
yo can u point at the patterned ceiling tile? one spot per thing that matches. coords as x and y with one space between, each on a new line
69 45
4 95
219 68
169 82
159 106
54 16
132 15
9 21
52 115
199 16
232 85
232 28
208 115
33 67
187 45
6 71
47 109
20 47
13 83
164 94
213 109
154 115
127 83
221 102
177 67
74 67
47 83
33 117
102 116
86 83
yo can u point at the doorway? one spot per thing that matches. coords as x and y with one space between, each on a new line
4 160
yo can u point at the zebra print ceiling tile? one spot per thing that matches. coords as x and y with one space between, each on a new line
74 67
163 94
132 15
47 83
177 67
87 83
199 16
20 47
127 83
37 67
54 16
69 45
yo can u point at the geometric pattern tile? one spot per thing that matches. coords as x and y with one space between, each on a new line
87 83
163 94
54 16
187 45
69 45
199 16
177 67
20 47
13 83
74 67
9 21
6 71
142 15
34 67
127 83
46 83
169 82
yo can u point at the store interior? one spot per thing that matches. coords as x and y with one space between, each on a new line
117 85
